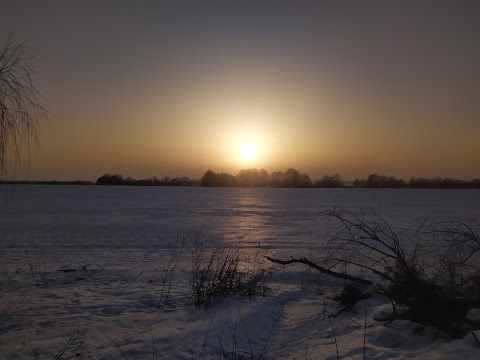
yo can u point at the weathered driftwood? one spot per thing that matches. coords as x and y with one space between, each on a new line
305 261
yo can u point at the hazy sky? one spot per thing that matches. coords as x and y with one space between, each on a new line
155 88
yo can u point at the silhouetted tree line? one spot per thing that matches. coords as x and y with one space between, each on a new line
289 179
48 182
257 178
117 179
333 181
381 181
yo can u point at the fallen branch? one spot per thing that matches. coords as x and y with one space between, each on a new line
305 261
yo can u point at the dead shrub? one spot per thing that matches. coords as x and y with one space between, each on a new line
222 271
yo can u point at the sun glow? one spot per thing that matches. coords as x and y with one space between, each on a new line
248 151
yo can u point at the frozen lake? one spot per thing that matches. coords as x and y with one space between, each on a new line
145 217
104 222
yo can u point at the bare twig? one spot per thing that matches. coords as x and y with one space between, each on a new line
17 304
65 347
268 338
116 344
365 335
121 291
475 338
334 336
308 338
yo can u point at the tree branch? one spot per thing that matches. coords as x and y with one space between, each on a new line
305 261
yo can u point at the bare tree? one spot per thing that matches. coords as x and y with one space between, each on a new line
433 271
20 108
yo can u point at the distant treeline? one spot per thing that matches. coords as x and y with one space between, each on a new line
48 182
257 178
381 181
116 179
245 178
290 179
261 178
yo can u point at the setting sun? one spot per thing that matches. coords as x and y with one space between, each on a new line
248 151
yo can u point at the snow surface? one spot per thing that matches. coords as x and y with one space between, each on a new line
111 245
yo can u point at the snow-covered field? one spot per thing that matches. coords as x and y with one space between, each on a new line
112 244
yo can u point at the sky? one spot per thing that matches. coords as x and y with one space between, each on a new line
173 88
